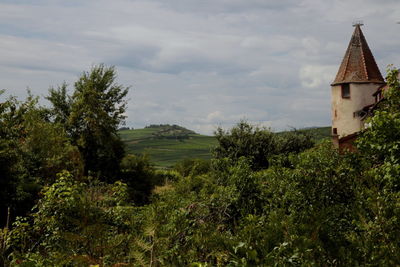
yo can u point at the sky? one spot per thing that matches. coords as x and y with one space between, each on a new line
201 64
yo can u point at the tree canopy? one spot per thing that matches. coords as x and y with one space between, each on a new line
259 145
92 116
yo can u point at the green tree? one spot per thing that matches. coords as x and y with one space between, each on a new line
244 140
91 117
11 169
294 141
32 151
258 145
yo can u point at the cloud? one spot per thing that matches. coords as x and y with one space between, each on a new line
317 76
230 6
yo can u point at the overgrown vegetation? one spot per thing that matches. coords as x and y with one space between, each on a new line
263 200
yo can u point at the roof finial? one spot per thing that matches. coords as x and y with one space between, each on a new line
358 23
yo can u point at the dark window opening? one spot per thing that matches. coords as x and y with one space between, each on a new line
334 130
346 90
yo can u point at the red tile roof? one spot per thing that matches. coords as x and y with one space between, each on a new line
358 64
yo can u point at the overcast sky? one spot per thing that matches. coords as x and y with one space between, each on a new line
197 63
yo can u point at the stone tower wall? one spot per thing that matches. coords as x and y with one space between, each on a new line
344 117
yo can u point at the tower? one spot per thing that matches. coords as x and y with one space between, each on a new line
352 90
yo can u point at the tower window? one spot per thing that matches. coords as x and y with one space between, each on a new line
345 90
334 131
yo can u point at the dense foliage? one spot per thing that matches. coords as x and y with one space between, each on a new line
32 152
259 145
280 203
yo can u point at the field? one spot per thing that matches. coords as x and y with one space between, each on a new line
169 147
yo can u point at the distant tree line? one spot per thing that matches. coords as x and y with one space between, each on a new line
124 128
167 131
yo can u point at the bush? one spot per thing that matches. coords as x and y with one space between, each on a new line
75 223
188 167
245 140
138 173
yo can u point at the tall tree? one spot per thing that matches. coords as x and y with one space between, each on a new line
97 109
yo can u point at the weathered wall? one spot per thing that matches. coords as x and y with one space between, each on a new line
343 108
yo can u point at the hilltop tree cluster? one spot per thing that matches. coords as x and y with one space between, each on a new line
263 200
166 131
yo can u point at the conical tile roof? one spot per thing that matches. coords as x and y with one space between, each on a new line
358 64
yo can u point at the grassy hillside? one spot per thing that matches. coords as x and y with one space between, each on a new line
167 144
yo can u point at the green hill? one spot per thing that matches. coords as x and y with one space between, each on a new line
320 132
167 144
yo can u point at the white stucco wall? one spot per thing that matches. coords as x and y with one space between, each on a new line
343 119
